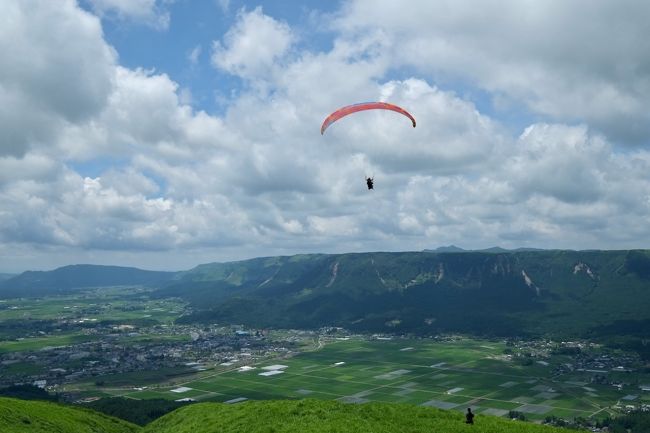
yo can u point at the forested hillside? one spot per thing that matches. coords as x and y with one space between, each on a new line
513 293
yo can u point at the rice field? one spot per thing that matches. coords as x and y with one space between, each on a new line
448 375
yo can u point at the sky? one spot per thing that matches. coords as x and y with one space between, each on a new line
167 133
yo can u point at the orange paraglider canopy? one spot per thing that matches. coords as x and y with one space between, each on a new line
342 112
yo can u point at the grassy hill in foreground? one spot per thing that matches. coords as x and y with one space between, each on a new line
314 416
21 416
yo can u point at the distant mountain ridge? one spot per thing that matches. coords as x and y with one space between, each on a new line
497 249
511 293
574 293
69 278
4 277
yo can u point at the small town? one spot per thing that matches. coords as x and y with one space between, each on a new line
125 348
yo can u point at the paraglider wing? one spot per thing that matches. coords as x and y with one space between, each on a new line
342 112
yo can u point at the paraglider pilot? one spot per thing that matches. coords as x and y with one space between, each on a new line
469 417
369 182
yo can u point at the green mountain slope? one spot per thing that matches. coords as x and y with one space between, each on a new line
312 416
21 416
513 293
69 278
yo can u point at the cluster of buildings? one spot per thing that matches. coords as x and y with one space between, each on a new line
125 348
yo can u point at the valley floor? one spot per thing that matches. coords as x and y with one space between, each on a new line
454 373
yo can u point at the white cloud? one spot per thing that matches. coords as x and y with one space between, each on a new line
115 214
252 46
576 61
129 182
259 179
42 86
150 12
145 113
560 186
193 56
576 160
452 137
334 226
33 166
224 5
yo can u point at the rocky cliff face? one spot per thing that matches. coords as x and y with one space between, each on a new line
502 293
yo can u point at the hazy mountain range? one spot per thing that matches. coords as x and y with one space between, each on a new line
455 249
70 278
494 292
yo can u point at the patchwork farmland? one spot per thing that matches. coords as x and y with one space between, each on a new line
447 375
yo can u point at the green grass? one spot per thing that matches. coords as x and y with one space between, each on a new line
138 378
20 416
22 368
313 416
116 304
36 343
305 416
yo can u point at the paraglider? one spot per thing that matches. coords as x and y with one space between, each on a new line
355 108
363 106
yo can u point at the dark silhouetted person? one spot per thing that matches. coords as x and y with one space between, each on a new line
469 417
369 181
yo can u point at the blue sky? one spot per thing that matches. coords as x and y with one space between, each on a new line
195 25
164 134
